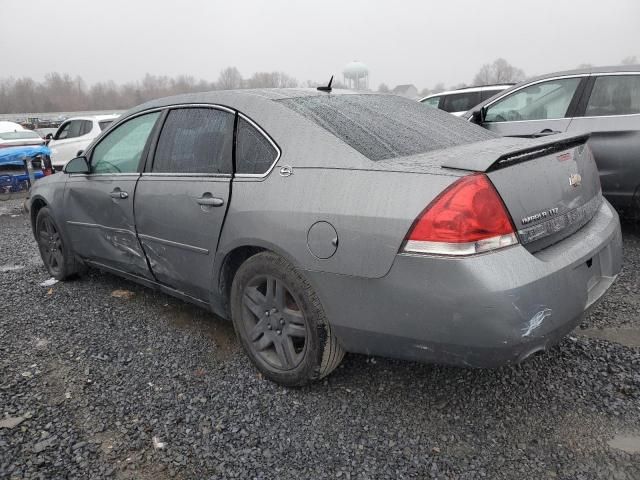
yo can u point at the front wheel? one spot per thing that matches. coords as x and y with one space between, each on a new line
56 255
281 323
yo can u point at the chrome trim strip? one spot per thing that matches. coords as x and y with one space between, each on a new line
613 74
171 243
134 174
103 227
199 105
273 144
608 116
204 175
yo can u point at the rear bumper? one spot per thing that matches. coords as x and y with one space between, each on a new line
480 311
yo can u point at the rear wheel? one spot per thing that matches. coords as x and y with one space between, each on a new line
56 255
281 323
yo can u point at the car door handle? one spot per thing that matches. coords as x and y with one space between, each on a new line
210 201
117 193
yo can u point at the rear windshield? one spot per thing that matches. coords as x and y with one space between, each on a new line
20 135
386 126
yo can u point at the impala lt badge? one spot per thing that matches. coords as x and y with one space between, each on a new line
540 215
575 180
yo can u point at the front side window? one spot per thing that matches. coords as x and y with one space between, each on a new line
195 140
121 150
254 153
541 101
614 95
460 102
70 129
432 102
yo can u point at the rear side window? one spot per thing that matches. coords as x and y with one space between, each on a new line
86 127
195 140
254 152
460 102
432 102
386 126
487 94
104 124
614 95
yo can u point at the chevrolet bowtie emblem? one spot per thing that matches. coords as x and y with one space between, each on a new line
575 180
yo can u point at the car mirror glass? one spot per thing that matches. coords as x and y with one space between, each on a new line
77 165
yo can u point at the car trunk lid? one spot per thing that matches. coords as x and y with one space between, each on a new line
550 187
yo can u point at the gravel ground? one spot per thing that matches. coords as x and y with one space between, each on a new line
148 387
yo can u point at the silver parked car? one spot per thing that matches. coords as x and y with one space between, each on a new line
604 101
325 222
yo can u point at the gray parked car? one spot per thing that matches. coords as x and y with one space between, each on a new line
604 101
329 222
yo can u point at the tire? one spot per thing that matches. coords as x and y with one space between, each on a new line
281 323
58 258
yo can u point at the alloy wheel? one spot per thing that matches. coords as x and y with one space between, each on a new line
274 323
50 245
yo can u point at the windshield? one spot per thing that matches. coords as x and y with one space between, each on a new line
386 126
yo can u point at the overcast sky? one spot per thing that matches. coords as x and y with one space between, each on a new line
419 42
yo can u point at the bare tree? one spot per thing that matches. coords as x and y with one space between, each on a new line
500 71
631 60
383 88
229 79
271 80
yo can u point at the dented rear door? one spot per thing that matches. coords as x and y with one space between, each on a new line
182 199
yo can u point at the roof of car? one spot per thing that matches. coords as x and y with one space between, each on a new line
588 70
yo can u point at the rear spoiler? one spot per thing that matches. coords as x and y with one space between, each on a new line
534 149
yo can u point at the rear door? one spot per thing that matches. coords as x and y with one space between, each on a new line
182 197
98 207
538 109
611 113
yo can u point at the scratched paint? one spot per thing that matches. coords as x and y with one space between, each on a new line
536 321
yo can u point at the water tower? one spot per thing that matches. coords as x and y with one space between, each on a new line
356 75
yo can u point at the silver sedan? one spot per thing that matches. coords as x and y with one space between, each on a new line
327 222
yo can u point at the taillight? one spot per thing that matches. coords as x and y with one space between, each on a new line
468 217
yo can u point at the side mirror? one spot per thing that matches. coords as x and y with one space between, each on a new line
48 136
77 165
79 153
478 116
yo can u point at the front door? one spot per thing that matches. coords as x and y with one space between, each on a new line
182 197
98 207
538 109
